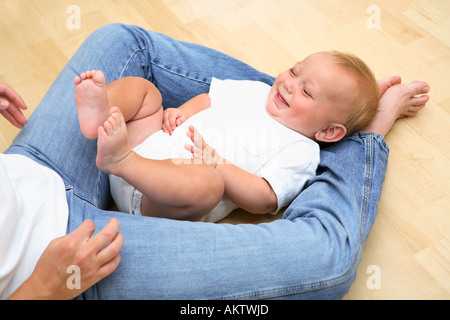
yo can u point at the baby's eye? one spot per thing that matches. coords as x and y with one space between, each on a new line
293 72
307 93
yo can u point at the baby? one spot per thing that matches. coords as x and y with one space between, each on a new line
265 138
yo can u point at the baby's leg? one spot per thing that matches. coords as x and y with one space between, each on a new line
141 105
172 189
137 98
397 101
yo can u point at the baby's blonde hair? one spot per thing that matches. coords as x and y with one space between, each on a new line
368 95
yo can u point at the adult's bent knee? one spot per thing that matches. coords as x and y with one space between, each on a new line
115 33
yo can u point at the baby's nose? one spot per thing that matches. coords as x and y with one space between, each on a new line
290 86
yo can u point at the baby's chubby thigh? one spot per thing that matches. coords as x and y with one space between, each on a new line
142 128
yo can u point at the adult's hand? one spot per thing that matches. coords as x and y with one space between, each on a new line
94 256
11 106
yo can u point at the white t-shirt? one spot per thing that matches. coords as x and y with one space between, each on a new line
33 211
238 126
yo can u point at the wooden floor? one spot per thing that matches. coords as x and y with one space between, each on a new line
407 255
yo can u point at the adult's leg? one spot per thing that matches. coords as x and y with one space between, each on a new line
311 254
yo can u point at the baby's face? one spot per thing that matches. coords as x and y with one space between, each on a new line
310 96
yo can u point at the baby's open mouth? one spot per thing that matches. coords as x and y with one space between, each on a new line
280 100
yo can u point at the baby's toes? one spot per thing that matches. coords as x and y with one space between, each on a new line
109 127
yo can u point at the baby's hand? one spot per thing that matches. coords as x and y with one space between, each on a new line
172 118
201 150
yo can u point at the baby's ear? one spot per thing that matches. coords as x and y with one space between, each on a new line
332 133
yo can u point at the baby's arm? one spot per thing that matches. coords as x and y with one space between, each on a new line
173 117
248 191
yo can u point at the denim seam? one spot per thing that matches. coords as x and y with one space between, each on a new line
368 178
129 59
157 64
293 290
76 194
97 189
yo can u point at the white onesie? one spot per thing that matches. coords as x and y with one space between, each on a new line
239 128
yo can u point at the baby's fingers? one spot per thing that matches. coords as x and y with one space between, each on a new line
193 150
196 137
164 129
190 133
173 121
166 124
196 152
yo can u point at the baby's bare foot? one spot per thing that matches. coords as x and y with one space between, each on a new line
92 102
398 101
112 145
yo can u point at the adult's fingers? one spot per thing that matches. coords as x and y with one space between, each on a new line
107 257
12 119
107 268
13 114
105 236
8 92
85 230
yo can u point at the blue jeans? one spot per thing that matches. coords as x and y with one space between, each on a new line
312 253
